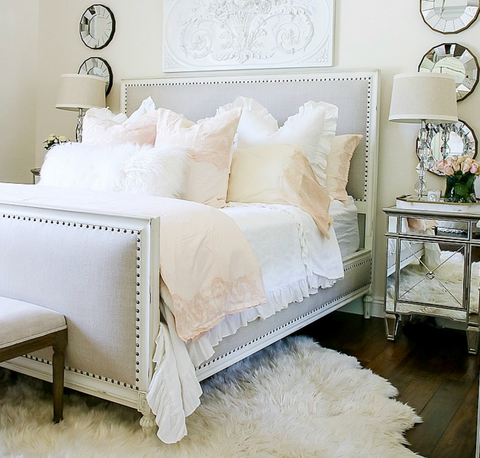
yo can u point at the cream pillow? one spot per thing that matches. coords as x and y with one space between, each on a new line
102 127
338 165
127 168
278 174
312 128
210 144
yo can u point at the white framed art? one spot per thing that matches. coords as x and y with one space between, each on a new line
246 34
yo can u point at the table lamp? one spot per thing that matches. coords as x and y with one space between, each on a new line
79 93
423 98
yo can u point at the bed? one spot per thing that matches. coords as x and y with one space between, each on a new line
95 255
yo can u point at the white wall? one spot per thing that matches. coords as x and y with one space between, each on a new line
18 57
390 36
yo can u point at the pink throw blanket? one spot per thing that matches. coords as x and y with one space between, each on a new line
208 270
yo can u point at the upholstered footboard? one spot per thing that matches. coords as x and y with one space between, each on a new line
97 266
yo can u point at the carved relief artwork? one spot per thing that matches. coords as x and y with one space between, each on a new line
233 34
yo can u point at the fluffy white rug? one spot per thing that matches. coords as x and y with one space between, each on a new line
294 399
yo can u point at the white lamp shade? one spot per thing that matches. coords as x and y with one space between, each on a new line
430 97
80 91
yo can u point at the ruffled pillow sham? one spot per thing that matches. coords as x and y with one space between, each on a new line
338 165
279 174
312 129
210 143
128 168
102 127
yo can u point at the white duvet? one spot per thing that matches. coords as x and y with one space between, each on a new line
296 260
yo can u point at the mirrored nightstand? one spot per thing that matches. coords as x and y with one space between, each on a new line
431 271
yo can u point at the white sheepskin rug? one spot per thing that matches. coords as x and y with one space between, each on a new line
294 399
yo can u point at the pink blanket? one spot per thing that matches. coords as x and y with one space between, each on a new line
208 270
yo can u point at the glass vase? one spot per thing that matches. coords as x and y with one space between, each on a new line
460 188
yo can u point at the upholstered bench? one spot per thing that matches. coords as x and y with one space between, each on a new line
26 327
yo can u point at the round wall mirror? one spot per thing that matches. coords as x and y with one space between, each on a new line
456 60
97 26
97 66
449 16
450 140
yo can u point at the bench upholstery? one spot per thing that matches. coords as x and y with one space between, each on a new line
25 328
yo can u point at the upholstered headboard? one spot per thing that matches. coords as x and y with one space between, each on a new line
355 93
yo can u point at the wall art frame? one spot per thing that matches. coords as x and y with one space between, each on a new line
209 35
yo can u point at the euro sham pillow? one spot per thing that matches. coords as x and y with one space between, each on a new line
102 127
312 128
128 168
210 143
278 174
338 165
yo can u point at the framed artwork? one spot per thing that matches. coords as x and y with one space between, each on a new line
247 34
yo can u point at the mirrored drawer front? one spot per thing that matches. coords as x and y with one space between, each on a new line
432 281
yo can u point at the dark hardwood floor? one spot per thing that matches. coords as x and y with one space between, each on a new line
429 366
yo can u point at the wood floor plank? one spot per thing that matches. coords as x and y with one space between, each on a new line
419 392
460 436
457 440
437 417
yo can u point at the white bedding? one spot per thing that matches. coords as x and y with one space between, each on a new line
296 260
345 223
291 271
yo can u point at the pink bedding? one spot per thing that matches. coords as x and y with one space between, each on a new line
208 269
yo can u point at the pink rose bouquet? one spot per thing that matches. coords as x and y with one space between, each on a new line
454 164
461 172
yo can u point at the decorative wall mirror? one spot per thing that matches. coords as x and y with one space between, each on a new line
449 140
97 26
97 66
456 60
449 16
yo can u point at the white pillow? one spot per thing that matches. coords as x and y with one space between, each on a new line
312 128
129 168
102 127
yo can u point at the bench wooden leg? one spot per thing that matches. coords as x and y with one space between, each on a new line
58 363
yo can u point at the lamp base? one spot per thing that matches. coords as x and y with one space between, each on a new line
79 128
425 157
420 187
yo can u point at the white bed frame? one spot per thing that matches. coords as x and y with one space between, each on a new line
112 357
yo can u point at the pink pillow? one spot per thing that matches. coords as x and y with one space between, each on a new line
279 174
102 127
210 144
338 165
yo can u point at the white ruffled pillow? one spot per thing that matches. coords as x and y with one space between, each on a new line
312 128
102 127
128 168
210 143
